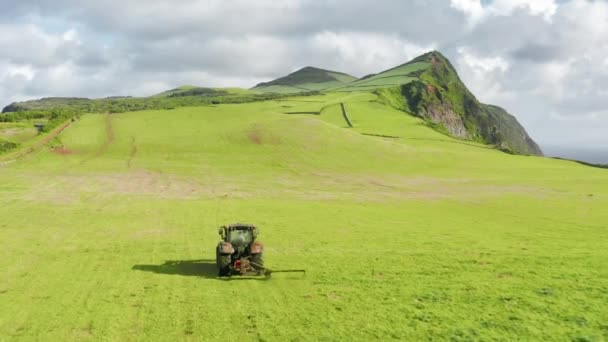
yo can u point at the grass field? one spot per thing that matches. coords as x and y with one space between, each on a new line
397 76
305 80
17 132
410 236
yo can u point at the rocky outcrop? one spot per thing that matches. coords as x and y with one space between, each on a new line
442 114
440 97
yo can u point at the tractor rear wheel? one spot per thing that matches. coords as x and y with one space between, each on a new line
223 264
258 261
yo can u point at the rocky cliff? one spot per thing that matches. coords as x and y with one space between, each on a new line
440 97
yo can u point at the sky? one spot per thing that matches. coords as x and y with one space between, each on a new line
545 61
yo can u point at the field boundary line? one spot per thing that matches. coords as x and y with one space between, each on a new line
345 115
381 135
311 113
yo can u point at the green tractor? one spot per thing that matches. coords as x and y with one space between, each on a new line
239 252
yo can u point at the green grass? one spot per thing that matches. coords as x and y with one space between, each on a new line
184 90
305 80
415 237
400 75
18 132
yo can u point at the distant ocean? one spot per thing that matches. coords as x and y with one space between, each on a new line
589 155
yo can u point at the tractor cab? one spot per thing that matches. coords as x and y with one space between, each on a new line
239 235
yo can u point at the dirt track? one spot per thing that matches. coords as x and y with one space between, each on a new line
109 136
37 146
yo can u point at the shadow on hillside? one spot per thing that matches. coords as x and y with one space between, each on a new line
204 268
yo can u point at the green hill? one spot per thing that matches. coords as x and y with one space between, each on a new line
427 87
109 231
189 90
396 76
439 96
306 80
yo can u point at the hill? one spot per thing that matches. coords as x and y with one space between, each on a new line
305 80
189 90
428 87
405 233
396 76
178 97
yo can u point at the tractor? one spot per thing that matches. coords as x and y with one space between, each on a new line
240 253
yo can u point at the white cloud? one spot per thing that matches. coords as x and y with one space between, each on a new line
544 8
476 12
483 64
472 8
25 71
552 79
363 53
70 35
480 74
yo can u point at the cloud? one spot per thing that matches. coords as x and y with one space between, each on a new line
363 53
537 52
476 11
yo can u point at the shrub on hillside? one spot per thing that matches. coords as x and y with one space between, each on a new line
6 146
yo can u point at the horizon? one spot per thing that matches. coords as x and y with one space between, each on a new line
553 82
572 151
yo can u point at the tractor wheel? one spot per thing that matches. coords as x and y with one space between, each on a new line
223 264
258 261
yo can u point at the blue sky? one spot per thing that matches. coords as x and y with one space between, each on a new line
545 61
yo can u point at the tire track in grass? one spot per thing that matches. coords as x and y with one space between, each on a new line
132 153
109 136
108 141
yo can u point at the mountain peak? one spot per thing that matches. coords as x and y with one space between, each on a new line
305 80
429 87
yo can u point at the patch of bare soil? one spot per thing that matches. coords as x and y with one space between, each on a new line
62 151
373 188
260 135
65 189
72 188
255 136
147 183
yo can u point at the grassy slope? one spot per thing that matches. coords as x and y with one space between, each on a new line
413 238
18 132
187 88
305 80
393 77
